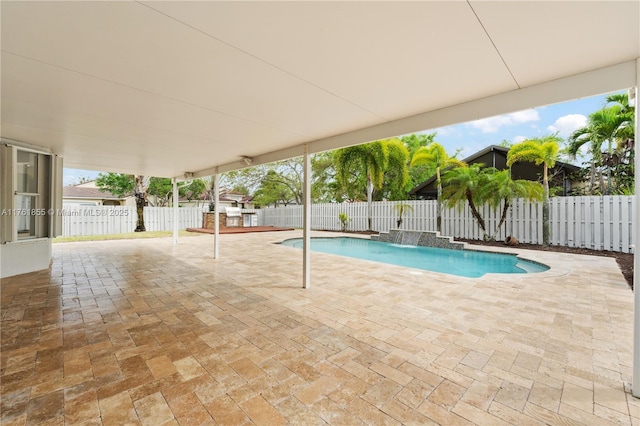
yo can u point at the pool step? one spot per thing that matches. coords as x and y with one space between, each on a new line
418 238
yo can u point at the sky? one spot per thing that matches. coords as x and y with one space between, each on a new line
515 127
473 136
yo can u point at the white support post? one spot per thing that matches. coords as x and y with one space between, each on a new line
175 211
635 381
306 233
216 215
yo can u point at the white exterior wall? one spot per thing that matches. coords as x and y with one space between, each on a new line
24 256
20 256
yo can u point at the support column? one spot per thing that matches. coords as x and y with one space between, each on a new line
306 225
635 382
175 210
216 215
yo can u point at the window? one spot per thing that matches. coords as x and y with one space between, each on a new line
27 169
27 194
32 194
27 203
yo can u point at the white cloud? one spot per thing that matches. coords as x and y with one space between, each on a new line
493 124
518 139
444 131
566 124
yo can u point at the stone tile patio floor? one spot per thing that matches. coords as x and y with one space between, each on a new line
144 332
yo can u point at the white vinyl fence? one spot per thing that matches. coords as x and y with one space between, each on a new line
100 220
597 223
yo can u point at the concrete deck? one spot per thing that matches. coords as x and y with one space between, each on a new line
143 332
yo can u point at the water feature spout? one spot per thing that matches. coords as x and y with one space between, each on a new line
399 237
411 238
407 238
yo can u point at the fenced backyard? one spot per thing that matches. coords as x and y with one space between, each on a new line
102 220
597 223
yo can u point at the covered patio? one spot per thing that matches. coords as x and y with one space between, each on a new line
206 331
148 332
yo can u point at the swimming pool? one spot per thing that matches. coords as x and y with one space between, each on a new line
465 263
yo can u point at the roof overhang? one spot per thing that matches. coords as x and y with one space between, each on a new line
164 88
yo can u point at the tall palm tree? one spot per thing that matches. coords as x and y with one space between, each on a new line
541 151
372 159
434 155
611 125
396 175
626 131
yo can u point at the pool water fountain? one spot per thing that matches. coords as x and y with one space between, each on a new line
407 238
417 238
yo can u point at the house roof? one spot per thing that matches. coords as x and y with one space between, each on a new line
164 88
75 191
223 197
477 157
503 151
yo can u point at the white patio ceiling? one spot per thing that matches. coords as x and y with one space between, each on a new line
162 88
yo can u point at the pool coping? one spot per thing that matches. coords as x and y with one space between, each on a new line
556 268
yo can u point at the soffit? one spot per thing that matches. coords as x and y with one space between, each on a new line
162 88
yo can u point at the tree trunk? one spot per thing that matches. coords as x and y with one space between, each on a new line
140 194
609 187
439 202
140 210
592 177
546 228
503 217
369 203
475 213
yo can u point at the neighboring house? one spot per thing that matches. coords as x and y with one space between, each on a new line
228 198
496 156
88 194
236 199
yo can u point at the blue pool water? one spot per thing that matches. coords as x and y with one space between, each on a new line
465 263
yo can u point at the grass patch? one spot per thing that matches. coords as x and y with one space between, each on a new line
125 236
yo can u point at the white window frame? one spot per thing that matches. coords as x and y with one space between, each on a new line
47 198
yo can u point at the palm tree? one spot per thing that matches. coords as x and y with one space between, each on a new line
626 131
396 175
498 187
372 159
344 220
462 184
477 185
413 142
434 155
400 208
612 125
541 151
